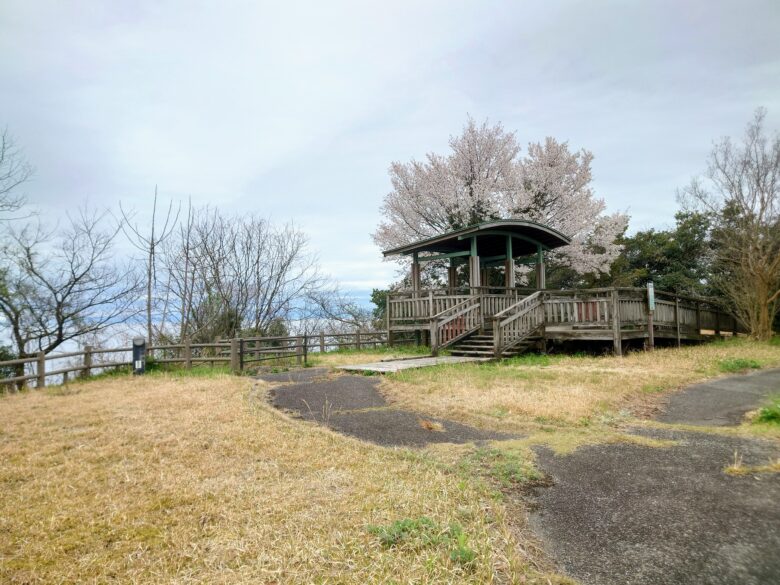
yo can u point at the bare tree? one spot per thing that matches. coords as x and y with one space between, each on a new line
227 274
14 171
742 191
62 285
330 308
148 243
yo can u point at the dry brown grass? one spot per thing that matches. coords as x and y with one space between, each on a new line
564 389
182 480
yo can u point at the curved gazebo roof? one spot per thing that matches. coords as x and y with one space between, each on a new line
527 238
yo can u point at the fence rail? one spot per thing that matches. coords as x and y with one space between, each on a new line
239 353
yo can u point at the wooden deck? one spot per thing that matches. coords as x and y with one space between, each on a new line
442 318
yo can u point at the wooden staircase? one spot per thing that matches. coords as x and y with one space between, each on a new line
482 345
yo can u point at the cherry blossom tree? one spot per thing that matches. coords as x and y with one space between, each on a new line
484 178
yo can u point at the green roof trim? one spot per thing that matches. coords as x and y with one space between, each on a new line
522 230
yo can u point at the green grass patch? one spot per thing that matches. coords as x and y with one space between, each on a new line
418 533
507 467
770 414
735 365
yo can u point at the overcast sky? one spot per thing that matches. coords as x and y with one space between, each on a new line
295 110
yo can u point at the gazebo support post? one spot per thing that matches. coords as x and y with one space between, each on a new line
509 265
452 277
475 275
416 284
541 277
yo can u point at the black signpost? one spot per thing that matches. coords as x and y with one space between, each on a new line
139 356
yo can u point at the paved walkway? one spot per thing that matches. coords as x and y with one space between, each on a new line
354 406
627 514
721 402
390 366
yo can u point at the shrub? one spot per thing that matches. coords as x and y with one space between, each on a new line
770 413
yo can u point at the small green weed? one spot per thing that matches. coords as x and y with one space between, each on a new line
418 533
507 466
410 531
734 365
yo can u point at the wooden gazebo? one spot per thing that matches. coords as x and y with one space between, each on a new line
499 243
482 319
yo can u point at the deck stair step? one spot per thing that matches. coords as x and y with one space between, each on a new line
481 345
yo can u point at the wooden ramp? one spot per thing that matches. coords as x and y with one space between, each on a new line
391 366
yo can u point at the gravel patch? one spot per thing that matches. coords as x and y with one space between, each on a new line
295 376
627 514
318 400
630 514
721 402
403 428
354 406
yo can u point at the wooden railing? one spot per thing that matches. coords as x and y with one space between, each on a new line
237 354
493 303
455 323
592 308
518 322
617 310
411 308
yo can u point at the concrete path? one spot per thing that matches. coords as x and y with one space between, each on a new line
353 405
627 514
721 402
390 366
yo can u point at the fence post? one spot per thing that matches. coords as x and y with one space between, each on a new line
617 340
387 321
234 365
434 339
299 350
497 341
241 355
357 339
188 354
41 370
698 319
677 317
322 342
87 371
305 349
717 321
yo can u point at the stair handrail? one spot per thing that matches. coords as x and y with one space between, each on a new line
458 305
514 312
438 323
513 307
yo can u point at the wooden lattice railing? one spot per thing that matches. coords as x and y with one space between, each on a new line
455 323
518 322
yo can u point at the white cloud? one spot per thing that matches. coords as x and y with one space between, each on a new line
295 110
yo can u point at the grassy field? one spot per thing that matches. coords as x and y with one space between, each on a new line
184 480
191 477
562 390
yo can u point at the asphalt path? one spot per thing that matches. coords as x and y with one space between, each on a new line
627 514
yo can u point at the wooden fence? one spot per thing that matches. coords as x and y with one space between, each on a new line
237 354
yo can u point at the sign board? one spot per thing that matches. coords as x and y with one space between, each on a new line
650 297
